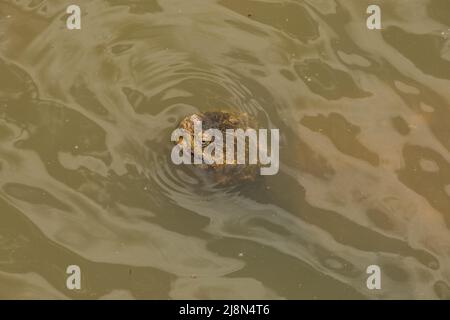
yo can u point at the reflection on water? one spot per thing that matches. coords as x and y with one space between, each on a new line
85 170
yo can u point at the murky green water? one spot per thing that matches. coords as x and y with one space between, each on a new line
85 171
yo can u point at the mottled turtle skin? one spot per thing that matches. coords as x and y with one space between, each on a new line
222 174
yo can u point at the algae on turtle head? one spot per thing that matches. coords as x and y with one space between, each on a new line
200 137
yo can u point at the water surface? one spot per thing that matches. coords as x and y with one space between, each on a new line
85 171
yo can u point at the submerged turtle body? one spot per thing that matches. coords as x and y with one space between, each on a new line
224 174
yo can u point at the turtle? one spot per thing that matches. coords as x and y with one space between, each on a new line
221 174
